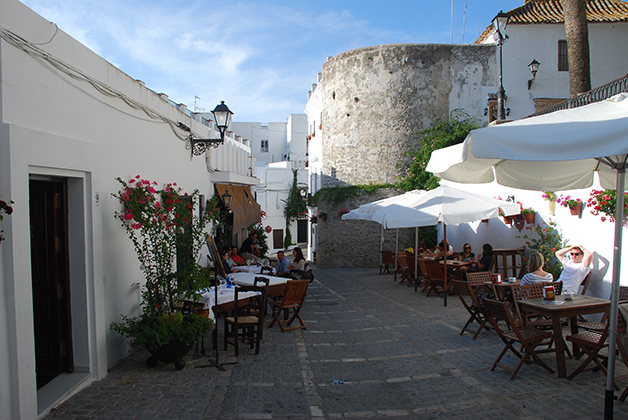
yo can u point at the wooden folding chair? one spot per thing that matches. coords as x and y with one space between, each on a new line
388 261
599 326
465 293
529 338
292 301
434 271
591 342
247 322
406 262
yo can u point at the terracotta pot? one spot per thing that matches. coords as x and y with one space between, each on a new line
508 220
324 218
530 218
576 210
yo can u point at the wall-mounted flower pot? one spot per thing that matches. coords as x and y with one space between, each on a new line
576 210
552 206
530 218
508 220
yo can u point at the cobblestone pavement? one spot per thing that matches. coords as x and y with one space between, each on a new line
373 349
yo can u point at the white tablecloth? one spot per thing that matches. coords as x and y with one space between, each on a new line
251 269
247 279
207 298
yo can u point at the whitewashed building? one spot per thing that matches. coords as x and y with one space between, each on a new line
70 123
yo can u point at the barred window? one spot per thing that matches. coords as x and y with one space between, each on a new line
563 56
264 146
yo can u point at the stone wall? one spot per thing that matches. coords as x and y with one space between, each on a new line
356 243
375 98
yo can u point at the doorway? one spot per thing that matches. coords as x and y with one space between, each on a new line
302 231
50 278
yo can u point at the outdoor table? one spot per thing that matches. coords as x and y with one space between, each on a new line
454 264
504 288
561 308
256 269
276 285
225 299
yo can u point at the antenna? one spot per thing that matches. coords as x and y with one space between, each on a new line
451 41
195 106
464 19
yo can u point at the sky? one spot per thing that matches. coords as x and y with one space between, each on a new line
260 57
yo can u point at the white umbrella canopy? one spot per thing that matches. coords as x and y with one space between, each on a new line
556 151
443 204
365 211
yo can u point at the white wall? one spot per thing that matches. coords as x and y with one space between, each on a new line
57 126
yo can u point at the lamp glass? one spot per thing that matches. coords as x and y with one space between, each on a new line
534 66
222 116
500 22
226 198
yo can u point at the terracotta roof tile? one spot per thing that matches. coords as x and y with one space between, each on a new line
551 11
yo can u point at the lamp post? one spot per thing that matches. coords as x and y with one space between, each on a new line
222 119
500 22
534 67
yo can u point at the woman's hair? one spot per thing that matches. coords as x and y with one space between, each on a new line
465 246
487 249
299 253
535 262
224 252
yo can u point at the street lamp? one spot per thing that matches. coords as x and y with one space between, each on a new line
500 22
534 67
222 119
226 199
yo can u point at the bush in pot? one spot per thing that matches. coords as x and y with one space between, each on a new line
167 235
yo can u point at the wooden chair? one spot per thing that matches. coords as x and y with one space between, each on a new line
585 284
434 275
388 261
292 301
529 338
247 322
406 262
466 294
599 326
524 292
306 274
266 268
591 342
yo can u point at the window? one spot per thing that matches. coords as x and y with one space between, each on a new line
563 56
264 146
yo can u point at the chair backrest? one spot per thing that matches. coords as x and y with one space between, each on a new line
479 277
263 280
266 268
388 257
461 288
434 270
255 304
558 286
585 284
528 291
295 292
623 293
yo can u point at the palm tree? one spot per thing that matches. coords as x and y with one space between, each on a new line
575 15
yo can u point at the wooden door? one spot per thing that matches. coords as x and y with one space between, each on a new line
50 279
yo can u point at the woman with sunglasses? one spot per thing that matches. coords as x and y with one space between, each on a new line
576 261
466 254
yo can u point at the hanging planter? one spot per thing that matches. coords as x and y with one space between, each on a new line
551 197
508 220
575 205
529 215
576 210
323 216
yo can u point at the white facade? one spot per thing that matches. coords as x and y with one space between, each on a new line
278 148
540 41
56 127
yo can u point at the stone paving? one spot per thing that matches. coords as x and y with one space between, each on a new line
373 349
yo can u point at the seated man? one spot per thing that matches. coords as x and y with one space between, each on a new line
283 265
249 250
237 260
576 261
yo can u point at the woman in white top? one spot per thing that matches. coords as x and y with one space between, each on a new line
298 262
535 270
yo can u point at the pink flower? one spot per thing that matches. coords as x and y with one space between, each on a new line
137 176
136 226
128 216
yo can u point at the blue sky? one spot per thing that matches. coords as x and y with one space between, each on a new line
260 57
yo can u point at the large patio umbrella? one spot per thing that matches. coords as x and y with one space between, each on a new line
556 151
443 204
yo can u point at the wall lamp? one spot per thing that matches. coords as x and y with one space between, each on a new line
226 199
222 119
534 67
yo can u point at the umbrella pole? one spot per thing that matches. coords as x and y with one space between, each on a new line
381 248
445 270
612 334
396 250
416 258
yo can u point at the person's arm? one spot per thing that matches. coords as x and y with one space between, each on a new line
450 251
560 254
588 256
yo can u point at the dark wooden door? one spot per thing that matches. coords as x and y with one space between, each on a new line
301 231
50 278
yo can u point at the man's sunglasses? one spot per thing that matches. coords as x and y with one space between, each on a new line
575 254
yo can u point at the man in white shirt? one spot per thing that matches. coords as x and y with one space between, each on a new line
576 261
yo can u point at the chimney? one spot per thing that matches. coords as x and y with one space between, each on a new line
319 77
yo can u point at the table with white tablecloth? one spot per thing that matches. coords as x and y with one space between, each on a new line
276 285
256 269
226 298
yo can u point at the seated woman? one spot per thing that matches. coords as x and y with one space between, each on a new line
535 270
226 264
486 258
466 254
298 262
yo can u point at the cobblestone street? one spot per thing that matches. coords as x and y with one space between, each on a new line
372 349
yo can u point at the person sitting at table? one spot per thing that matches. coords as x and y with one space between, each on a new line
535 273
237 260
466 254
283 265
486 258
225 263
440 250
575 267
249 250
298 262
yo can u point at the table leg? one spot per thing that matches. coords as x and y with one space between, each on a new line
560 346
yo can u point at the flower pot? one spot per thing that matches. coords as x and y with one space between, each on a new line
576 210
552 206
508 220
324 218
173 352
530 218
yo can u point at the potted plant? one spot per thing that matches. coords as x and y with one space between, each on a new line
4 209
341 212
529 214
604 202
313 219
574 204
551 197
323 216
167 235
